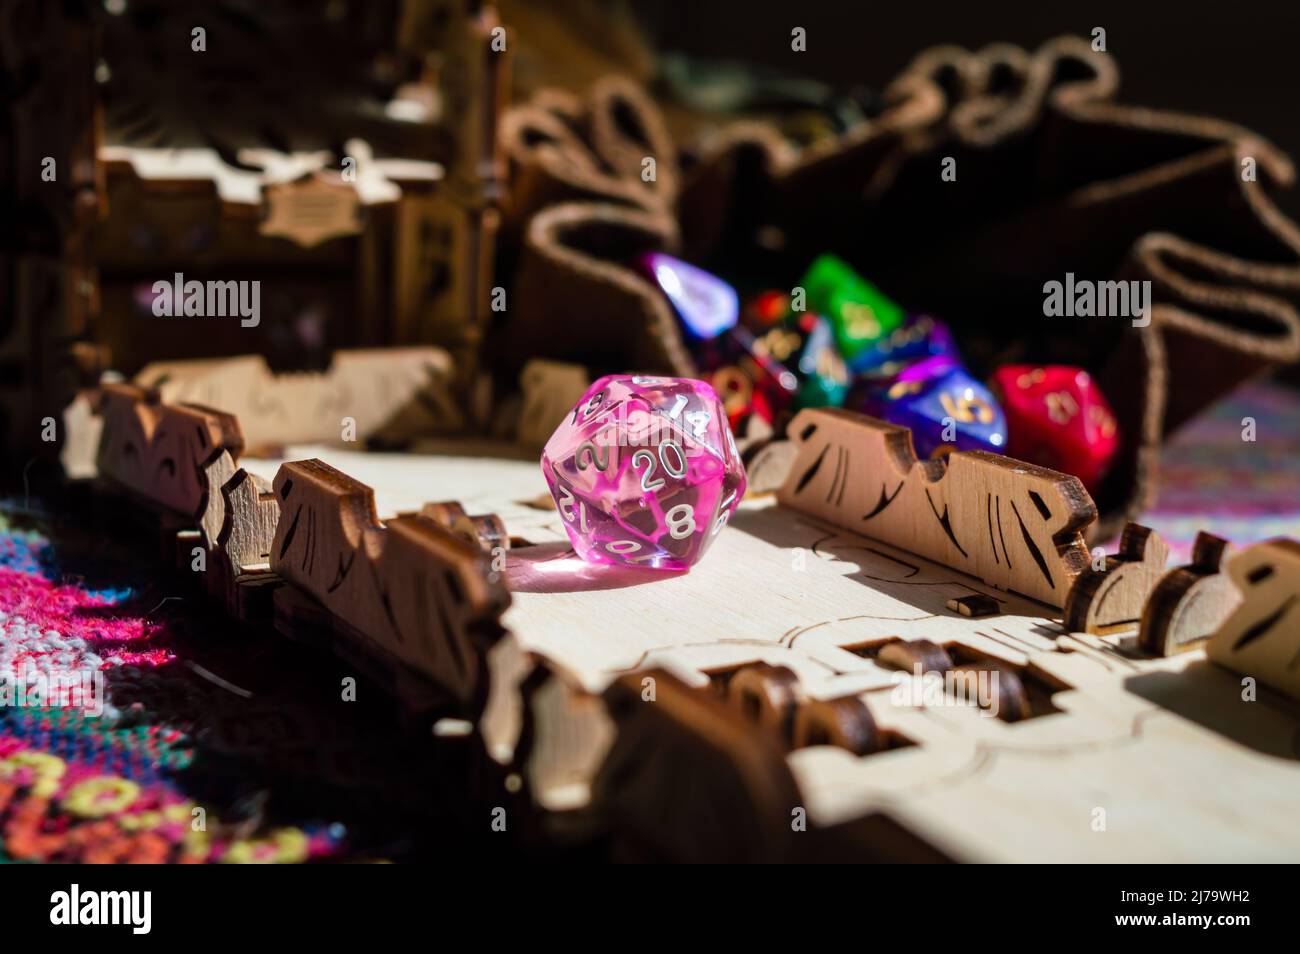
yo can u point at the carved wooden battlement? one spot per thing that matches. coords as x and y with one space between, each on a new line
160 451
1013 525
419 590
386 393
421 593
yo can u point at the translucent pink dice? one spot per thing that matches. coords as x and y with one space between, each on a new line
644 471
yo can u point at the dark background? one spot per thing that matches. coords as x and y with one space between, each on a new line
1238 61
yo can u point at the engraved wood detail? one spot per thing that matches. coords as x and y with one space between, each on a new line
1013 525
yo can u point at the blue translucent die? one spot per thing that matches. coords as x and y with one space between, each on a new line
919 337
706 305
947 410
823 378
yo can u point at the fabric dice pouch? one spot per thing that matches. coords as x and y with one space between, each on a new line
1053 176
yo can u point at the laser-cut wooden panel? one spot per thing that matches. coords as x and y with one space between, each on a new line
1011 524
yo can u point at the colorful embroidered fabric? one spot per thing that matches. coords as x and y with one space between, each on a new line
81 779
192 740
1234 471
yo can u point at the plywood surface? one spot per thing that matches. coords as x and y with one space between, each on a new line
1123 757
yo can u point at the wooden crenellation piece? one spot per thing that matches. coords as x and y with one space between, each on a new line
387 394
1190 602
160 452
844 722
1111 599
1013 525
417 591
550 390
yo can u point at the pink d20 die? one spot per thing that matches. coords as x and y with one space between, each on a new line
644 471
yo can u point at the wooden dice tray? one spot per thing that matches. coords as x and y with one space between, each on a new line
747 709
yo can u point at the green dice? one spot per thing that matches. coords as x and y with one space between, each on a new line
857 310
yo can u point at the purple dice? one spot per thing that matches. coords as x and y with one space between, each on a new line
943 405
919 337
644 471
706 305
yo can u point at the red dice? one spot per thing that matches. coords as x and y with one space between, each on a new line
1057 417
747 376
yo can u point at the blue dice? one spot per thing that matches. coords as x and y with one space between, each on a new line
919 337
945 408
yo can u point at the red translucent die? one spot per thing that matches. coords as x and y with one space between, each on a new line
644 471
1058 417
750 379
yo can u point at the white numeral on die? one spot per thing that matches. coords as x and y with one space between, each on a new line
724 514
566 503
699 421
668 450
681 521
647 458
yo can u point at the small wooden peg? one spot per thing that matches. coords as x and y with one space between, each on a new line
845 722
1111 599
444 512
1011 702
768 696
907 654
1189 603
485 531
409 586
974 605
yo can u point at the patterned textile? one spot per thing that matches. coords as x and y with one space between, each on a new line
1212 479
137 724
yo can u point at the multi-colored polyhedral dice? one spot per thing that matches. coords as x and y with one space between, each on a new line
706 305
823 378
944 406
858 311
765 309
1059 419
644 471
745 372
919 337
804 343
